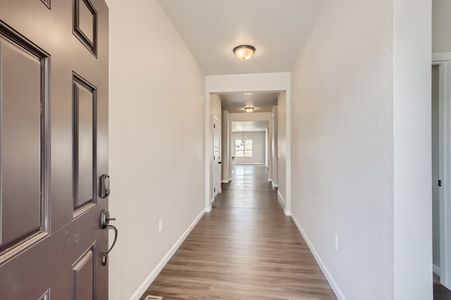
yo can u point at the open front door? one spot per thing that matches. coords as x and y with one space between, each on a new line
53 149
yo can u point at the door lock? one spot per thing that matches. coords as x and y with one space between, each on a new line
105 219
105 224
104 186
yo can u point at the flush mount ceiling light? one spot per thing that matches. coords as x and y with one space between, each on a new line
248 94
244 52
249 109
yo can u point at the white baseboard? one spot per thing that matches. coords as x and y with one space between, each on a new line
151 277
273 183
323 267
281 199
436 270
227 180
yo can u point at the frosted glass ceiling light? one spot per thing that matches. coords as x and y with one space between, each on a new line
244 52
249 109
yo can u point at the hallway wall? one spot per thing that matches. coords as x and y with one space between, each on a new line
441 24
282 144
342 139
226 161
273 146
361 147
156 140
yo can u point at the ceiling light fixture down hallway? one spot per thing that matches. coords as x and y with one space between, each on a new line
244 52
249 109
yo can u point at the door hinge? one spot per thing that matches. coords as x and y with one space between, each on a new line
214 125
439 183
214 190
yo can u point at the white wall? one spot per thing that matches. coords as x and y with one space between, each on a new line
258 141
226 170
282 144
156 110
361 147
441 24
342 137
412 149
274 144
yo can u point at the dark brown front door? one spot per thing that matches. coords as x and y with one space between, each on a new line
53 149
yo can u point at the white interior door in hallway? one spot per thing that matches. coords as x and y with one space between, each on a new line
441 166
216 156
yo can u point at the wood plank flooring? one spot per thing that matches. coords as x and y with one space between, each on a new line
440 292
246 248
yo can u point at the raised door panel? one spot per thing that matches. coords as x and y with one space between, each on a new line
22 206
83 277
85 24
84 141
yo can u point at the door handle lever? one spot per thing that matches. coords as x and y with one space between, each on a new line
105 255
105 224
105 219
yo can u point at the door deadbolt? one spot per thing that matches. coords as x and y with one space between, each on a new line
104 186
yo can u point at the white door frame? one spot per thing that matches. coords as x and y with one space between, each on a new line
443 61
259 82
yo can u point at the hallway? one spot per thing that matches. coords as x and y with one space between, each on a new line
246 248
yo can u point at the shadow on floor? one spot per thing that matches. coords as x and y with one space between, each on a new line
441 293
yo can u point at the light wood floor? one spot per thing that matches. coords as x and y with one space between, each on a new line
246 248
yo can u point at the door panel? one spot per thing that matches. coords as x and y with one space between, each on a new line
84 140
86 20
84 277
53 147
85 23
20 143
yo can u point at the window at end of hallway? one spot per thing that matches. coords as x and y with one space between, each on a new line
244 148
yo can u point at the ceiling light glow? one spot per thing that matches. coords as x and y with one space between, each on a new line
249 109
244 52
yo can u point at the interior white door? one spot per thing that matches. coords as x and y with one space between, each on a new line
216 156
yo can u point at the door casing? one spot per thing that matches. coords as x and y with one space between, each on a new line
443 61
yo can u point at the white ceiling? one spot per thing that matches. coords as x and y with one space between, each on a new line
249 126
235 102
212 28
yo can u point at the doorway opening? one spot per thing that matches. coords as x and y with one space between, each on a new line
248 139
248 87
441 203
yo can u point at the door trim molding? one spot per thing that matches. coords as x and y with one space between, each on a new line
159 267
443 61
